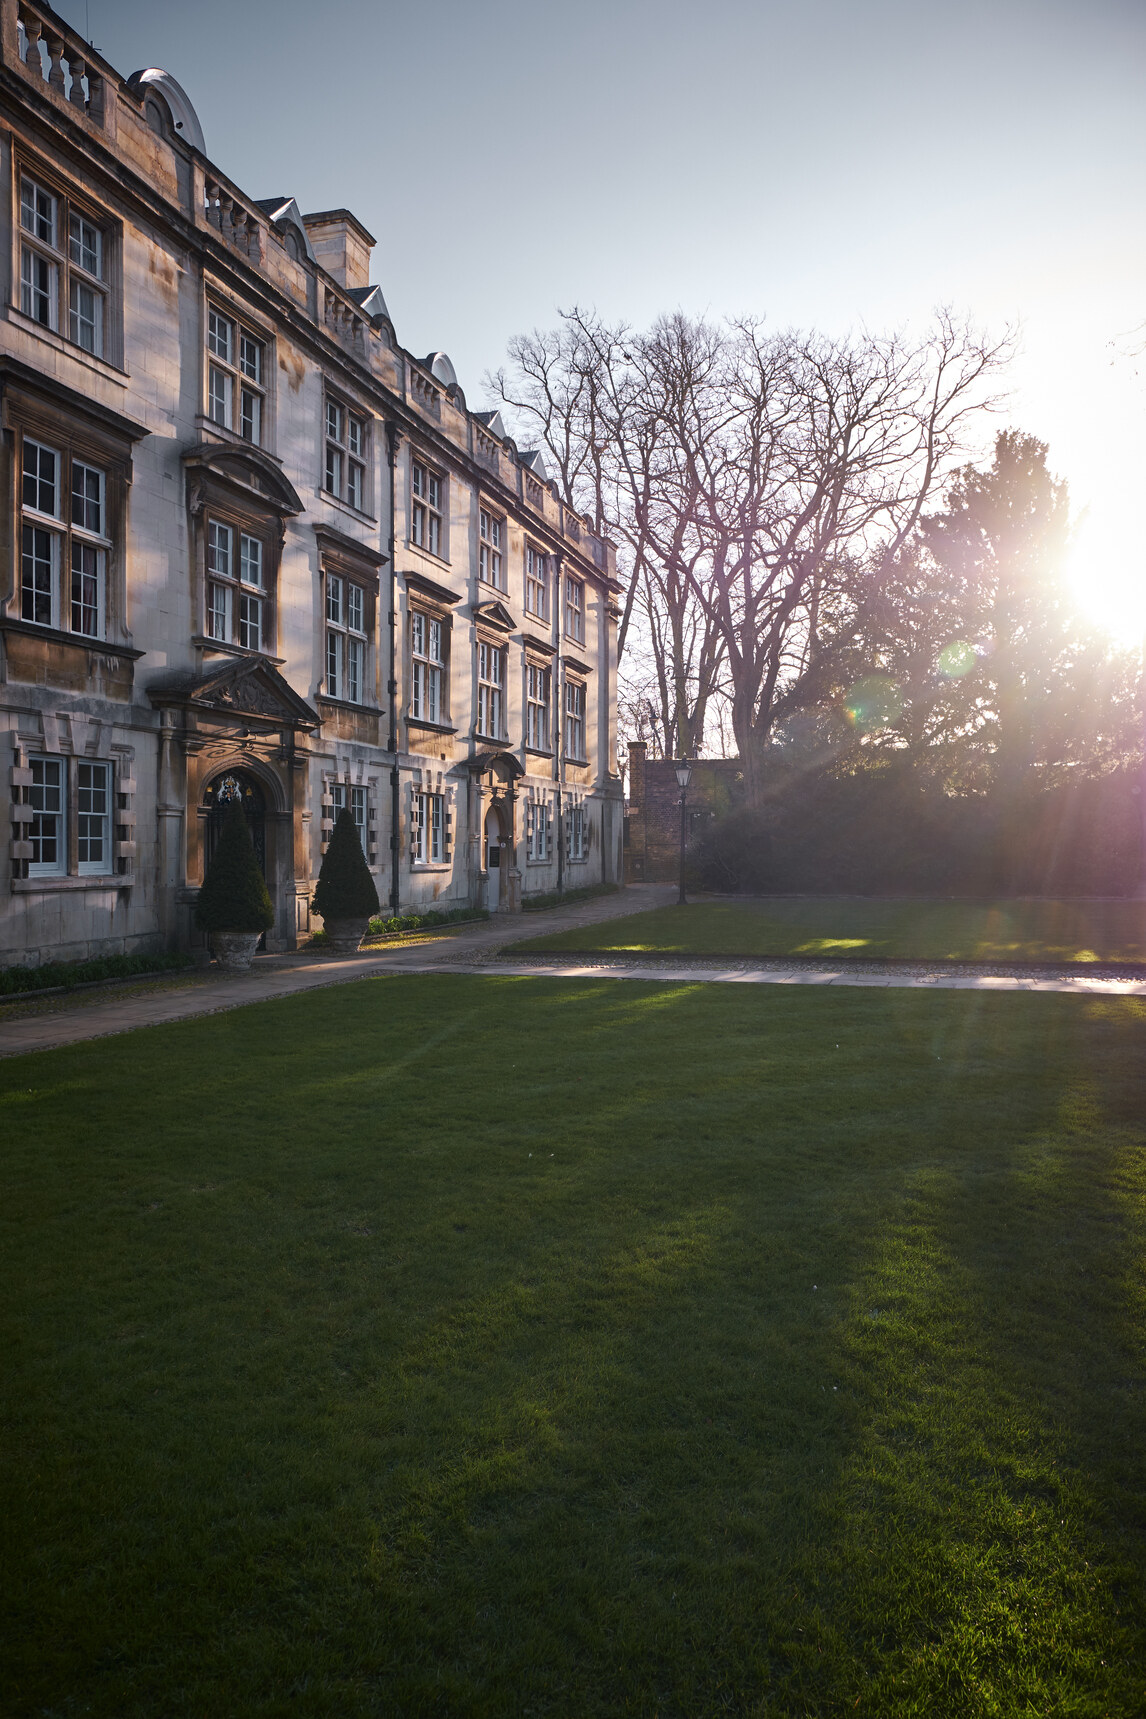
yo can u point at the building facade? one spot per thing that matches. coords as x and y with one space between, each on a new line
259 551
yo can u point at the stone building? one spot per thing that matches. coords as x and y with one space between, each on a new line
259 550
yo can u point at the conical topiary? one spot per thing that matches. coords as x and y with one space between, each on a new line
234 894
345 888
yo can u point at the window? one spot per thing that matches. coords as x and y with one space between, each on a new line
427 653
345 798
93 817
491 530
537 707
63 540
491 681
237 604
576 833
428 830
536 583
426 510
63 267
537 831
91 808
574 608
236 386
574 720
345 639
46 796
344 472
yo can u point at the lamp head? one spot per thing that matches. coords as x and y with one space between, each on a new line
683 774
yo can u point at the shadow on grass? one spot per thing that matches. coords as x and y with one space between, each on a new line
800 1379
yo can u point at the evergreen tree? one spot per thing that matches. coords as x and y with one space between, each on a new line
345 887
234 895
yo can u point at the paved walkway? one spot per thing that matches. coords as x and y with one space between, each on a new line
478 949
95 1014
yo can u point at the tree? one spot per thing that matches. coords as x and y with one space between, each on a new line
1050 694
345 888
751 477
234 895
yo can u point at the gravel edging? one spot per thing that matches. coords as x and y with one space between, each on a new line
895 964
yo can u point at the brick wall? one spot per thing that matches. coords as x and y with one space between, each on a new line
652 820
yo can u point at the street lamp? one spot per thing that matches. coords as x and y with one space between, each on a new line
683 774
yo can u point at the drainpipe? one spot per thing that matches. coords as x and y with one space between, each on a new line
393 440
559 737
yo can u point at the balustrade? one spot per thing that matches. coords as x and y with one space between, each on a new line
40 41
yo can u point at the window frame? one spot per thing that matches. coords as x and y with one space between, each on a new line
428 812
537 581
230 368
65 536
538 832
428 494
538 698
573 600
491 547
74 820
573 721
67 269
491 692
241 531
576 834
428 703
341 448
343 640
354 796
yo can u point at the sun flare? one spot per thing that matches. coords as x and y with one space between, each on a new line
1107 572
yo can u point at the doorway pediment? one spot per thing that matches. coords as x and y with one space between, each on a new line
240 687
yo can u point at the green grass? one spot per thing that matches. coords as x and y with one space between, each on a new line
453 1345
847 928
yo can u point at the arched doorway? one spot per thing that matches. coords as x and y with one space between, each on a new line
494 854
242 786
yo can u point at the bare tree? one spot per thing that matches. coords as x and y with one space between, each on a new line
750 477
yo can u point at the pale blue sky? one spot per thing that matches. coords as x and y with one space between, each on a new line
828 162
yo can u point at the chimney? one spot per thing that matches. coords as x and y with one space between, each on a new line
341 245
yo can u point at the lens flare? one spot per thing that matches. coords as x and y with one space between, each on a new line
957 659
873 703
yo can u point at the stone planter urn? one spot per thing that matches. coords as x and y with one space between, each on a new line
343 936
234 950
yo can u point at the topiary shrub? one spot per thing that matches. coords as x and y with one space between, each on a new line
345 888
234 894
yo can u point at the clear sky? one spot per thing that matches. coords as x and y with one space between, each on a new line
821 162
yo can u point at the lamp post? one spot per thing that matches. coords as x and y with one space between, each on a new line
683 774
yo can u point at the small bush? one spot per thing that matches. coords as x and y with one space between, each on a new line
564 898
345 888
234 894
68 974
422 921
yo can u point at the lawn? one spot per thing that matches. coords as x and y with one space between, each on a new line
843 928
445 1345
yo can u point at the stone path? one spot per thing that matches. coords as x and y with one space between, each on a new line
96 1014
478 949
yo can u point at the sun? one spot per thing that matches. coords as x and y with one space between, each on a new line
1107 572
